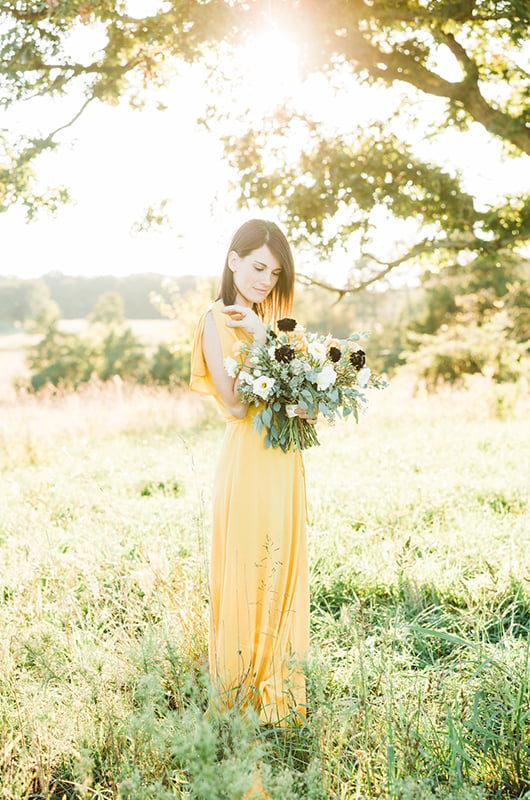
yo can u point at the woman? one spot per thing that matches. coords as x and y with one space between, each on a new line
259 595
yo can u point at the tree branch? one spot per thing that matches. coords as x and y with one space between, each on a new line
74 118
397 66
25 16
422 247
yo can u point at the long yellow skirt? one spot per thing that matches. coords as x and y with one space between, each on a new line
259 587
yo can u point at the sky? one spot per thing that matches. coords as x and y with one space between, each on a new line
117 161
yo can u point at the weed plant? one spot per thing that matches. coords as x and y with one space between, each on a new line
419 669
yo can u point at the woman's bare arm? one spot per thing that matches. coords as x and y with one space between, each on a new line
225 385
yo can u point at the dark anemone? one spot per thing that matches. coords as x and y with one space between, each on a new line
286 324
284 354
358 359
334 354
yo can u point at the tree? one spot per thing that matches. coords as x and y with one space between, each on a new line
24 300
129 55
109 310
329 194
343 179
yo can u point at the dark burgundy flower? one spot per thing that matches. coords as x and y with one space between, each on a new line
334 354
358 359
286 324
284 354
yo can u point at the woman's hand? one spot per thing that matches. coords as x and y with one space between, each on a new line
245 317
303 414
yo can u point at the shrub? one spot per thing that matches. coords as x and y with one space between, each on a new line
461 350
69 359
170 364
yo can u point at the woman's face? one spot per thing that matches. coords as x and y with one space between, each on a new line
255 275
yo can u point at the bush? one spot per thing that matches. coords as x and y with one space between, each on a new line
121 353
461 350
69 359
170 364
60 359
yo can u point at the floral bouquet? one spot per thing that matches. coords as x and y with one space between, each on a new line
298 368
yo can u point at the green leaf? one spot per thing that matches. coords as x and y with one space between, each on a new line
266 416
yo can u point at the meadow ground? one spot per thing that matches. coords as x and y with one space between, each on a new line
419 538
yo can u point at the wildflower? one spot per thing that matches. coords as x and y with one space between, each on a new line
327 377
231 366
358 359
287 324
334 354
284 354
262 386
363 376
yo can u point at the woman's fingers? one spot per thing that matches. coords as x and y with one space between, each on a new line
238 314
243 317
303 414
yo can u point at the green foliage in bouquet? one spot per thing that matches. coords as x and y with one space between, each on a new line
297 369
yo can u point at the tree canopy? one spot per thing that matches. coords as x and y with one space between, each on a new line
470 54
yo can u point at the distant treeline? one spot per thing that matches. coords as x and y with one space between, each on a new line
76 296
384 314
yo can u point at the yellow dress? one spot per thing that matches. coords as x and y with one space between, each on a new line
259 587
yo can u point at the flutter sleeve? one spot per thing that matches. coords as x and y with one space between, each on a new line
200 380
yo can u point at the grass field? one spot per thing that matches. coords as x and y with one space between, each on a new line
419 536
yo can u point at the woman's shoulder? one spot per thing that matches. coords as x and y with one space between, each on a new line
216 307
215 310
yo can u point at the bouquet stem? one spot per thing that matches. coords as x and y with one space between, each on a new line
301 434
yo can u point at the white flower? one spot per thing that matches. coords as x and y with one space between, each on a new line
363 376
262 386
245 377
318 350
307 366
326 377
296 366
231 366
290 410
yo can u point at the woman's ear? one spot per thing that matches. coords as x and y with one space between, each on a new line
233 260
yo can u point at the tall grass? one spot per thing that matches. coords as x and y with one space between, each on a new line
419 537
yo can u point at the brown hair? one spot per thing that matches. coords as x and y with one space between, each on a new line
251 236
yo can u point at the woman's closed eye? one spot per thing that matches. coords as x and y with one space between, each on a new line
260 268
